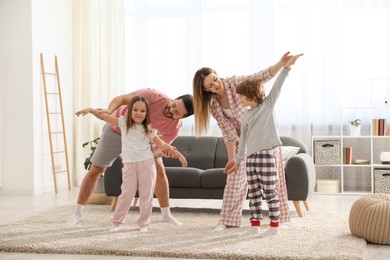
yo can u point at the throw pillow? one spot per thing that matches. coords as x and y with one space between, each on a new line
288 152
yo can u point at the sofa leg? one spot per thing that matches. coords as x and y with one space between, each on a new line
113 203
306 203
297 207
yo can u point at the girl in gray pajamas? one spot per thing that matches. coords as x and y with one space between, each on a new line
259 136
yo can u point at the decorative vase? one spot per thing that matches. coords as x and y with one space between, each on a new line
355 130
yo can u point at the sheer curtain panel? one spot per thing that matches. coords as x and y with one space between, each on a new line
99 66
345 44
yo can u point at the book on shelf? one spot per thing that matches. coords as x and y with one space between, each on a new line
347 155
378 126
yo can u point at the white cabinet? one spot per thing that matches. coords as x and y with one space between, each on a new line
334 174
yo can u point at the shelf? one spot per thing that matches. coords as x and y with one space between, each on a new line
356 137
326 137
360 193
381 166
357 165
354 179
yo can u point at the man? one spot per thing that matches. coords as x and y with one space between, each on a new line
165 115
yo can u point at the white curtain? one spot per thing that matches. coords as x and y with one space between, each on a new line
99 66
345 44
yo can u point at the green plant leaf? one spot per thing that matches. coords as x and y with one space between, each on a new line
355 122
93 144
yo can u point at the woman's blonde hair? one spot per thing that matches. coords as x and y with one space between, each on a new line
202 100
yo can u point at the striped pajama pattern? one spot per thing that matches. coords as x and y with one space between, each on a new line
262 179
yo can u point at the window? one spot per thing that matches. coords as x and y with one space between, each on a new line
167 41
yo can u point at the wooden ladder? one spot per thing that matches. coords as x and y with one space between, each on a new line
56 98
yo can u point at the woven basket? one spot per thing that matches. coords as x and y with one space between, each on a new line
369 218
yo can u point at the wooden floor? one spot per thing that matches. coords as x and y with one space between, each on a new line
16 206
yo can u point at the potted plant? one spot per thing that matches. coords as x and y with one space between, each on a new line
93 144
87 165
355 127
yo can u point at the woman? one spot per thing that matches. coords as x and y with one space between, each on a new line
218 97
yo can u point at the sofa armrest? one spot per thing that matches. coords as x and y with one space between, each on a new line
113 178
300 176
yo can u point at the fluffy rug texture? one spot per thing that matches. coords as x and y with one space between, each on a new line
315 236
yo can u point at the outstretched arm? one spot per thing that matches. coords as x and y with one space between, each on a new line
114 105
103 116
167 150
282 62
118 101
85 111
292 60
279 65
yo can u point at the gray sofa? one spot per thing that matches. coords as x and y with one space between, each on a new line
204 177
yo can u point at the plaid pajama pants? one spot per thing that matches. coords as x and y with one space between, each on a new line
281 186
262 181
237 187
234 197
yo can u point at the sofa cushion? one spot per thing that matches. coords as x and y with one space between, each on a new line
221 154
196 193
184 177
213 178
199 152
288 152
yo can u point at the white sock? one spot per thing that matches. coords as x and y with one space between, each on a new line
115 228
143 229
76 217
283 225
254 230
220 227
79 210
272 231
167 216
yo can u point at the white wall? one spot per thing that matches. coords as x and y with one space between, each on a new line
28 28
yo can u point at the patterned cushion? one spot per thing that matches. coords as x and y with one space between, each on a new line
288 152
369 218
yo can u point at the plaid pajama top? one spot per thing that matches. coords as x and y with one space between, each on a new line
236 184
230 127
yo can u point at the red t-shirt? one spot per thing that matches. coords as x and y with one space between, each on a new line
167 128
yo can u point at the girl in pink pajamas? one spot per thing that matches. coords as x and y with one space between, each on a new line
216 96
139 170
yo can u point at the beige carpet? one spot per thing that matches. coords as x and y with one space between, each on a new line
315 236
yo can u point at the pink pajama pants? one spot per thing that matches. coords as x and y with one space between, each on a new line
139 176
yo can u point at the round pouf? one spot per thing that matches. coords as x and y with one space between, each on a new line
370 218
